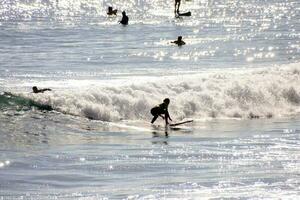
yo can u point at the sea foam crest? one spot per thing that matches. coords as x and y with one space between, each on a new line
243 93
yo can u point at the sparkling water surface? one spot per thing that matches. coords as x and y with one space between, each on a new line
75 40
61 157
238 77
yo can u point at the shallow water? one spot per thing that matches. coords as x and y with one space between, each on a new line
238 77
73 158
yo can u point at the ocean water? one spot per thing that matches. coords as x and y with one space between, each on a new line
237 77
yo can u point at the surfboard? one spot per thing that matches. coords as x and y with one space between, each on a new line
180 123
143 126
187 14
140 126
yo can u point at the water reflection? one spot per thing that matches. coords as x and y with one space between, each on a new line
160 138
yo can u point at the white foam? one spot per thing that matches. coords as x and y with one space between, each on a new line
243 93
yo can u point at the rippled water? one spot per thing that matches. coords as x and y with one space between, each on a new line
59 157
76 40
238 77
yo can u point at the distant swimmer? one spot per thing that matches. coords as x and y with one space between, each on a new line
177 5
179 41
111 11
125 19
160 110
36 90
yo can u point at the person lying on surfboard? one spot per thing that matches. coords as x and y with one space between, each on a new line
36 90
179 41
111 11
160 110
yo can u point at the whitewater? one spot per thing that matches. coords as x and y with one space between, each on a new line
236 94
90 137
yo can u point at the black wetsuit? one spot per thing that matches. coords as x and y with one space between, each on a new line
177 4
161 109
179 43
124 20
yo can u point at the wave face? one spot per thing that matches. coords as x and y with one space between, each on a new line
246 93
9 102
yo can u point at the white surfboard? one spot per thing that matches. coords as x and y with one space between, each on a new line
180 123
143 126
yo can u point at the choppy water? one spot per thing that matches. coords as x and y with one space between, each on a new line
241 61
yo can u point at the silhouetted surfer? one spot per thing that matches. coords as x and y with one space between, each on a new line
111 11
125 19
177 12
179 41
160 110
177 5
36 90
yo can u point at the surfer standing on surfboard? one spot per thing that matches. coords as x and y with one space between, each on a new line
160 110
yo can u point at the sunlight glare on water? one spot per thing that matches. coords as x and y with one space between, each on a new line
90 137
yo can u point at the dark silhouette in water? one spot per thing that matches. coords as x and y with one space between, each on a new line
157 134
111 11
160 110
36 90
177 5
125 18
179 41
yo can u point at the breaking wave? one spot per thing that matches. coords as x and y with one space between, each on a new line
10 101
240 93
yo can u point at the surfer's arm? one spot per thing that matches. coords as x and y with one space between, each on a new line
168 115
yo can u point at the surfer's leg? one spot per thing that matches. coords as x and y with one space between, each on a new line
155 112
178 7
154 118
166 117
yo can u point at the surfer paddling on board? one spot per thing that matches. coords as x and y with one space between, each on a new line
36 90
160 110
